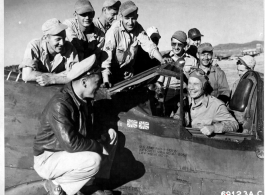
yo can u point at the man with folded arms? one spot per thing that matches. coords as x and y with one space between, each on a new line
121 44
216 75
66 151
46 60
82 33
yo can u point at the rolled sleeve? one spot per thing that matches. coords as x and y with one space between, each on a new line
31 57
146 44
225 122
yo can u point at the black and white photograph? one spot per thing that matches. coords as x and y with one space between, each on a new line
132 97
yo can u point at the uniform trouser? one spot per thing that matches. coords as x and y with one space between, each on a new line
74 170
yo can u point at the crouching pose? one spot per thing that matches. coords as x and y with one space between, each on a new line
206 112
66 153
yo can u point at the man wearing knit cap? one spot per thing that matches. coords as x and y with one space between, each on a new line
217 77
67 152
178 44
47 59
244 64
121 45
82 33
206 112
194 40
108 15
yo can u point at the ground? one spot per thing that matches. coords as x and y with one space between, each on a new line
229 67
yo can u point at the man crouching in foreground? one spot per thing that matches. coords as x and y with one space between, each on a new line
65 154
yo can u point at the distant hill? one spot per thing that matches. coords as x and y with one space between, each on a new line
234 46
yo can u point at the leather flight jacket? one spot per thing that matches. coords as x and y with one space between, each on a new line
66 124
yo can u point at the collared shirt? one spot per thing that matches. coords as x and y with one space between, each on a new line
85 44
98 24
234 88
218 81
212 111
121 47
37 57
189 62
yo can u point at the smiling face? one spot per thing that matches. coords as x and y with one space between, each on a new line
129 21
90 85
177 47
110 15
195 87
56 42
205 58
85 19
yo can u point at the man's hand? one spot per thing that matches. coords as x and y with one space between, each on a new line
167 60
128 74
45 79
112 134
207 130
106 85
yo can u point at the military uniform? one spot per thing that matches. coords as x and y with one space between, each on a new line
210 111
218 81
120 50
85 44
100 26
37 57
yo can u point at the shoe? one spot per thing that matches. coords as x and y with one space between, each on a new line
52 188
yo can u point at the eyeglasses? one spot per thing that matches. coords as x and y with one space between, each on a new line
174 44
89 14
198 71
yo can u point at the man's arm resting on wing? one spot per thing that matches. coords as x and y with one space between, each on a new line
28 74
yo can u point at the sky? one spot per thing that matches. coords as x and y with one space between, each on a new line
220 21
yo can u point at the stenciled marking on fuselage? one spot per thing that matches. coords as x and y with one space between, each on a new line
160 152
130 190
134 124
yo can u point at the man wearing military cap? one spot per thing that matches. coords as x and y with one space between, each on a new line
66 151
121 45
108 15
194 40
204 111
47 59
217 77
82 33
178 44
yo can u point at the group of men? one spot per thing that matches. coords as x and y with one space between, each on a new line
86 54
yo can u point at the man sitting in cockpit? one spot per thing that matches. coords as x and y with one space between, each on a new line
206 112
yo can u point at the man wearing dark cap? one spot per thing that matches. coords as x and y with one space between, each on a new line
178 44
66 152
108 15
47 59
82 33
206 112
217 77
194 40
121 45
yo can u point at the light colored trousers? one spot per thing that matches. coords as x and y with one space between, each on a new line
74 170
